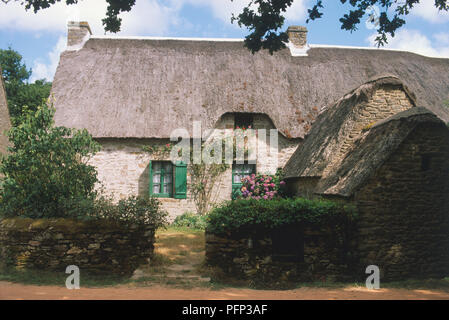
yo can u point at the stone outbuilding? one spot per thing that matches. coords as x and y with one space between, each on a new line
396 173
5 123
130 92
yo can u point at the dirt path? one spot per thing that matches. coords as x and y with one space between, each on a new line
12 291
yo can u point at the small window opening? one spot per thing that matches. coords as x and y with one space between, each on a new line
243 121
426 160
288 243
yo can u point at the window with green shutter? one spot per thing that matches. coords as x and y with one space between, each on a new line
168 180
161 179
239 171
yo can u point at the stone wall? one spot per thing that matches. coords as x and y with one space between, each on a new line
249 256
99 247
123 168
404 210
384 103
302 187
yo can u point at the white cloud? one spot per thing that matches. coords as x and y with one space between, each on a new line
146 16
42 70
427 10
415 41
442 38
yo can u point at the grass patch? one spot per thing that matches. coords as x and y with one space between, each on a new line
416 284
47 278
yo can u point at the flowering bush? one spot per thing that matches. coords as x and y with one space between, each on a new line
264 186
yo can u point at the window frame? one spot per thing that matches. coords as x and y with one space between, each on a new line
161 182
239 185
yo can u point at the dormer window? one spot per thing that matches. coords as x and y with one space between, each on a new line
243 121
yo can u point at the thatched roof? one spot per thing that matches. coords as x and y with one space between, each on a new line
372 150
324 141
147 88
5 123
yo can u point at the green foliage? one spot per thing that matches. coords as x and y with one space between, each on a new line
13 69
46 172
190 220
237 215
132 210
265 18
19 93
26 95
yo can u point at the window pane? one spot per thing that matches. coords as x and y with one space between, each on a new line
156 166
156 188
167 178
237 178
167 188
168 167
156 178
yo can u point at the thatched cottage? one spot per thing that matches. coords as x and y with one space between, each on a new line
133 92
5 123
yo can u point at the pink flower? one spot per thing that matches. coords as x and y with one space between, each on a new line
282 183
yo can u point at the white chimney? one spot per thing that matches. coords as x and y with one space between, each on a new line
78 33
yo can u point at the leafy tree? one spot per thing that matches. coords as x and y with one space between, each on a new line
19 93
46 172
265 18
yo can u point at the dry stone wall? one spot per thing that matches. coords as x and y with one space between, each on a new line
404 210
98 247
249 256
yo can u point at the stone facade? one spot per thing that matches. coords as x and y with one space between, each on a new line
102 247
403 209
123 167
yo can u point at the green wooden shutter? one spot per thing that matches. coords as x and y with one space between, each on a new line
150 174
180 180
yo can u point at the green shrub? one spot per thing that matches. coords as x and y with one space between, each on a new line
46 172
133 210
233 216
190 220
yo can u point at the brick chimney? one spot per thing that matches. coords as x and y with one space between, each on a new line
298 36
78 33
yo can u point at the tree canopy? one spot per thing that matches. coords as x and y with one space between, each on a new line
19 92
265 18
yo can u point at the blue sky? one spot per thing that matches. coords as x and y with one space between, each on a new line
41 37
